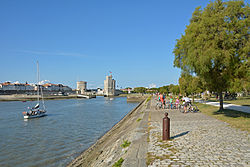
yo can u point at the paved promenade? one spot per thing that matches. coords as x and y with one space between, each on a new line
196 140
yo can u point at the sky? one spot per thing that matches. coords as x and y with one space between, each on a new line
85 40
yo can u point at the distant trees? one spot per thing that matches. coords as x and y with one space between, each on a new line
190 85
174 89
164 89
152 90
216 46
140 90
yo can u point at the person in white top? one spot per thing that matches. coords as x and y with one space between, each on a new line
187 101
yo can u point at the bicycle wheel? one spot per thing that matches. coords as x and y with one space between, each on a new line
196 108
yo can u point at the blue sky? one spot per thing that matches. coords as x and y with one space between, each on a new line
85 39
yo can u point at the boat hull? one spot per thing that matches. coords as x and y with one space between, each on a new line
34 116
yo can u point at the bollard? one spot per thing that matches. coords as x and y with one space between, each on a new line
166 128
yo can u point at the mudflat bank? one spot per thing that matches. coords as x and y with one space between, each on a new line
131 132
24 97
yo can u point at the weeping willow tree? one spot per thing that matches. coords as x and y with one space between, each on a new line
215 46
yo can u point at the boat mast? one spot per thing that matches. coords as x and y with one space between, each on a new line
38 86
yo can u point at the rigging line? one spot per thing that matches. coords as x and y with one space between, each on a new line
38 84
42 98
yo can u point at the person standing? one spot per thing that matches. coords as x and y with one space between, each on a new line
171 102
177 102
162 100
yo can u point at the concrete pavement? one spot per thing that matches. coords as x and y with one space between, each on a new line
196 140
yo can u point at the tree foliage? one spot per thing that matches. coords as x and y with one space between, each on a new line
152 90
216 45
164 89
190 85
140 90
174 89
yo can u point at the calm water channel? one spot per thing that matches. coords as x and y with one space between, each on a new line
70 127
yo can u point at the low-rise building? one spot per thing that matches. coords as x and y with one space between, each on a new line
127 90
56 87
99 92
8 86
15 86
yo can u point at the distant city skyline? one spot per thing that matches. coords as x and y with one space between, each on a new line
85 40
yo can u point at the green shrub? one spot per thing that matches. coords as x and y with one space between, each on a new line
125 144
118 163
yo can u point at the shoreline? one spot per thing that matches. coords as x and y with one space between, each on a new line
99 153
24 97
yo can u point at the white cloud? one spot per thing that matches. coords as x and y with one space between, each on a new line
152 85
43 82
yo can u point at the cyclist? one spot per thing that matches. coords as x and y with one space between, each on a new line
187 101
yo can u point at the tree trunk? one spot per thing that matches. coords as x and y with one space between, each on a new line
193 98
221 101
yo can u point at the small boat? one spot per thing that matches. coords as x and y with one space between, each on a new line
83 96
35 111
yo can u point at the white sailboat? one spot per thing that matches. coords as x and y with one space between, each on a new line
36 111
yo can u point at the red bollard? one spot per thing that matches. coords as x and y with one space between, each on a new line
166 128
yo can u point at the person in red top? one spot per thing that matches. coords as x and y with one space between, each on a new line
162 100
161 97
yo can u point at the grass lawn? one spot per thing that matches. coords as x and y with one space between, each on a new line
243 101
236 119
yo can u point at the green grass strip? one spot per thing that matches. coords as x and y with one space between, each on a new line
236 119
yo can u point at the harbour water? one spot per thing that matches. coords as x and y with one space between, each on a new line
69 128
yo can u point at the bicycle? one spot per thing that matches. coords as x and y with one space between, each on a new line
167 105
181 108
158 105
192 108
